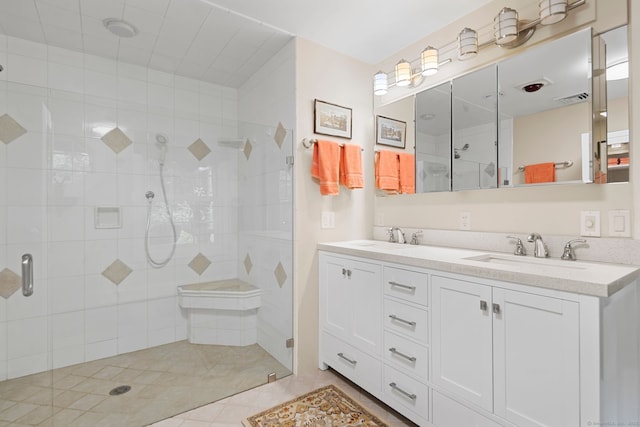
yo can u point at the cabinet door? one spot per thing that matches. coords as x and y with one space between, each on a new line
536 360
462 339
351 301
365 306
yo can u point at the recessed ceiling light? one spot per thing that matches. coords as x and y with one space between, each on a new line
119 27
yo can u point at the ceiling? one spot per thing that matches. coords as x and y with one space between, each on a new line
226 41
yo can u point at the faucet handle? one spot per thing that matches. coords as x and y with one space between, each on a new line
520 249
392 236
568 254
414 237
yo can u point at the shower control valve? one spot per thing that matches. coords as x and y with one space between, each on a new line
149 195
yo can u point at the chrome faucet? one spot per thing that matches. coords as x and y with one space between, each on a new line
396 235
539 248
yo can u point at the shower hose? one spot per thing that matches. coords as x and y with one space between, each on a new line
155 263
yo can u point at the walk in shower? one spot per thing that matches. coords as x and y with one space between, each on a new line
84 140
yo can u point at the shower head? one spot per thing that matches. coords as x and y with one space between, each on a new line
161 139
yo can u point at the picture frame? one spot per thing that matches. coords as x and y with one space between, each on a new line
331 119
390 132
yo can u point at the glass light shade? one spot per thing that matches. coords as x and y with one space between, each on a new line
380 83
429 59
467 44
552 11
505 26
403 73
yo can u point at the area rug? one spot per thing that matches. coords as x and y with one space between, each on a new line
325 407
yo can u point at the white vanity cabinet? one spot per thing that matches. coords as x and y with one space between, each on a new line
450 344
512 353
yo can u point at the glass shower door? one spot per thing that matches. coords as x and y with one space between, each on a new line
26 392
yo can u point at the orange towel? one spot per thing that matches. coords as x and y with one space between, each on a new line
541 172
387 166
407 173
351 175
324 166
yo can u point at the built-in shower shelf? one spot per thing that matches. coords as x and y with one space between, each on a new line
107 217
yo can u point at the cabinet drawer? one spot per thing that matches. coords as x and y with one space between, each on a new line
406 395
406 320
449 413
406 355
406 284
354 364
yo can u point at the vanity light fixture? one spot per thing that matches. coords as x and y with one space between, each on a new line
552 11
403 73
380 83
505 26
467 44
429 58
509 32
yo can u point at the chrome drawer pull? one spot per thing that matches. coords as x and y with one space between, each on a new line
408 322
342 356
396 352
401 391
400 285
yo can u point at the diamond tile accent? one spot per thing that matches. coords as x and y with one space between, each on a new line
247 149
9 283
199 264
116 140
281 134
199 149
248 265
281 274
117 272
10 129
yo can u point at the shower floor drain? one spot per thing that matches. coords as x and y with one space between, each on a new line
120 390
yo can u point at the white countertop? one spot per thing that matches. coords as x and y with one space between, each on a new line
588 278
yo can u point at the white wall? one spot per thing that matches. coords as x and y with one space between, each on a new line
52 177
334 78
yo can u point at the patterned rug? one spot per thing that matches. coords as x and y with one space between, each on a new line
325 407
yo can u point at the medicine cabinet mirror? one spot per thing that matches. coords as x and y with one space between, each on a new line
482 129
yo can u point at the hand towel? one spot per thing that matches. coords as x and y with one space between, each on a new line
325 166
351 175
407 173
541 172
387 166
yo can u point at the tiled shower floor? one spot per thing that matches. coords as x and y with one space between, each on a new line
165 380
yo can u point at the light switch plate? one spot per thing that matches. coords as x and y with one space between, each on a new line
620 223
328 219
590 223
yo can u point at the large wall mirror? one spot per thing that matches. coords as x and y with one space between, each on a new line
536 108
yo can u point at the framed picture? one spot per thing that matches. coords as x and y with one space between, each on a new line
390 132
331 119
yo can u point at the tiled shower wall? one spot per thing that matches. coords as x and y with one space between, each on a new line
95 295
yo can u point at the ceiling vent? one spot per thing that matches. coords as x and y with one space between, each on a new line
573 99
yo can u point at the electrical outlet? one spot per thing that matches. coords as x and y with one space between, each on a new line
465 221
590 223
328 219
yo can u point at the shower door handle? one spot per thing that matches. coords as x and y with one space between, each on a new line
27 275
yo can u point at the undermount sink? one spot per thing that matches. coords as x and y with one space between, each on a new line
523 261
376 244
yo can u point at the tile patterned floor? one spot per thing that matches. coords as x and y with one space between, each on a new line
231 411
165 380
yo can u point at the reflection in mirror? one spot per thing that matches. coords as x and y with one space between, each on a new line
433 139
475 150
544 111
617 111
